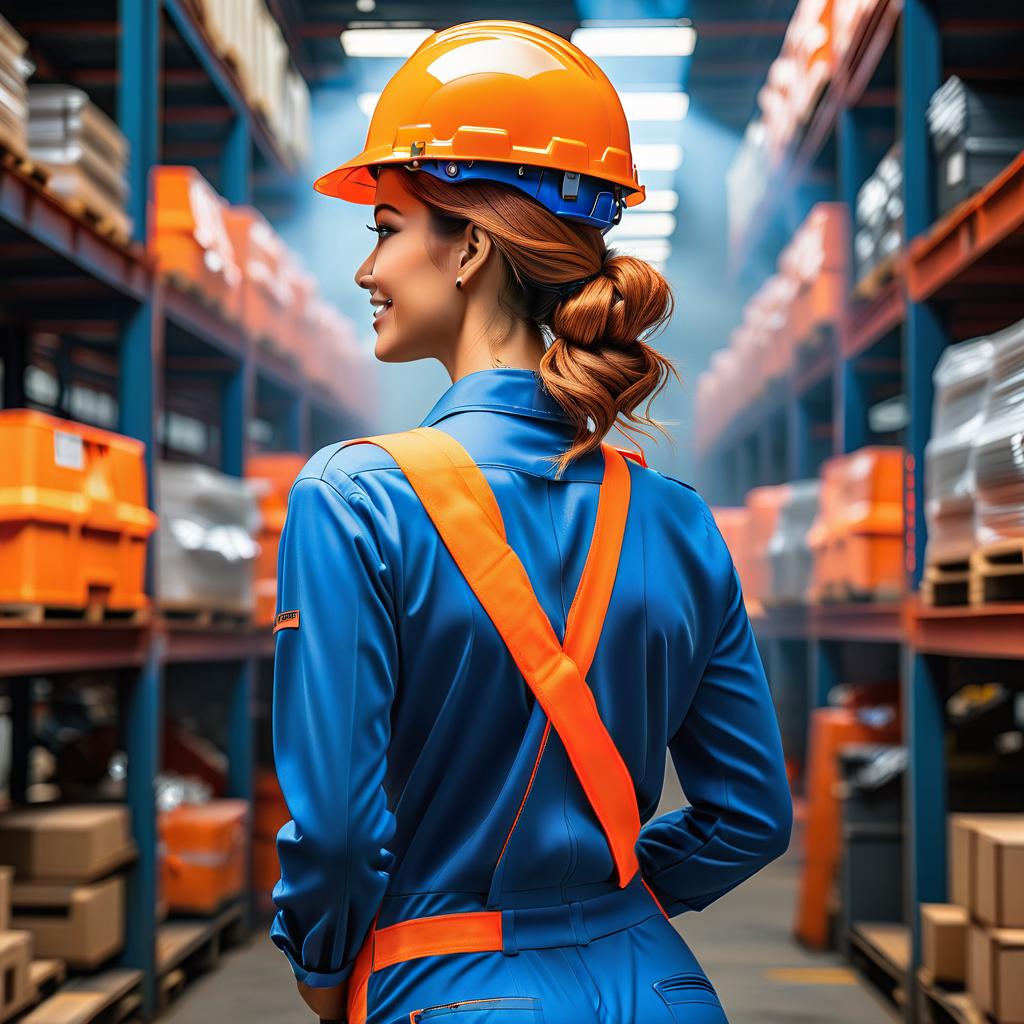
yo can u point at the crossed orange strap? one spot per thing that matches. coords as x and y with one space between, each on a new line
460 503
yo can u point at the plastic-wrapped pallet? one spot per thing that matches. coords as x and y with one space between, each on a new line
206 544
14 69
86 152
789 553
961 384
879 217
997 466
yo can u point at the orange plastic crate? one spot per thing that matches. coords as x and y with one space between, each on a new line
266 868
267 300
73 516
763 505
204 851
272 812
734 525
188 237
271 474
872 546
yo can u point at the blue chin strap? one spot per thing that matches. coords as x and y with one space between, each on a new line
565 193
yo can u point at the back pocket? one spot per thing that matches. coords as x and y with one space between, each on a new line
500 1010
691 999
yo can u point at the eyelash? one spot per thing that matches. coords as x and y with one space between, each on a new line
378 230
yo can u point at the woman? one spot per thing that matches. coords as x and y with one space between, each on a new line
491 627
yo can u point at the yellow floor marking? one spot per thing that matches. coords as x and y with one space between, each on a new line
811 975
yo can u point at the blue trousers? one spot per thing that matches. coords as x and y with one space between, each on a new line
610 959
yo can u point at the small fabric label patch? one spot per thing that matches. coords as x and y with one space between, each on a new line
286 620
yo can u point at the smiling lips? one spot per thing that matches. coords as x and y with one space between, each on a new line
382 306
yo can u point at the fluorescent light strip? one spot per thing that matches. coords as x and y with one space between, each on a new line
647 225
659 200
636 41
653 249
655 106
382 42
657 156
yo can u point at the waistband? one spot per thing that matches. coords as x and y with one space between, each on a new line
575 923
578 922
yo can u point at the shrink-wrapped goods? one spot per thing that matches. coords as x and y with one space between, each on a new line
789 553
206 545
84 150
961 381
996 466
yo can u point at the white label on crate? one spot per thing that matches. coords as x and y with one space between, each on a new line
956 167
67 451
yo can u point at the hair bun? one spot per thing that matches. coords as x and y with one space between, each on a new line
625 302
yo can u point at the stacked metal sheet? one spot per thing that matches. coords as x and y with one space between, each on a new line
975 133
879 215
997 454
789 551
206 544
14 69
86 152
961 387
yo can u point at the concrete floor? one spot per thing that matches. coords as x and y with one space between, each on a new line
743 941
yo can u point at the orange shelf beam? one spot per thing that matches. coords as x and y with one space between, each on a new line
972 230
983 631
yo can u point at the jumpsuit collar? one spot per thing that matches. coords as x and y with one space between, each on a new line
504 389
531 425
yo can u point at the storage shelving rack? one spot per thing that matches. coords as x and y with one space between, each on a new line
956 278
59 274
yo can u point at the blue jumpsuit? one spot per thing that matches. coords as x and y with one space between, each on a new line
405 737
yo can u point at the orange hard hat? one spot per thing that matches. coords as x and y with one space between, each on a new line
496 93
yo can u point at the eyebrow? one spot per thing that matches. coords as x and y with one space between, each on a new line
385 206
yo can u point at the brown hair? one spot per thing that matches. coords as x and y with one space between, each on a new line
598 366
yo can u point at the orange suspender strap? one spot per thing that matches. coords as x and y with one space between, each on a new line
462 506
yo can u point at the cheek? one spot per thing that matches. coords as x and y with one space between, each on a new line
405 272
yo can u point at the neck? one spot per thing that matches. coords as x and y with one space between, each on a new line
483 345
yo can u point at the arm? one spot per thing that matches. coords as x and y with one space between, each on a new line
728 756
334 682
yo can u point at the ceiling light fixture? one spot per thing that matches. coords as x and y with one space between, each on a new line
383 41
673 39
655 106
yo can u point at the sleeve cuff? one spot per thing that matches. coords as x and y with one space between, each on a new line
314 979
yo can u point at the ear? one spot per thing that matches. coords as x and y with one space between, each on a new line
473 252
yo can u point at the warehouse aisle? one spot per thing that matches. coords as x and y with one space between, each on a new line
742 941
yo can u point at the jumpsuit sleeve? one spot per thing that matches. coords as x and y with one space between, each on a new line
334 683
728 756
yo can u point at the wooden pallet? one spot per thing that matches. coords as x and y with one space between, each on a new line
186 947
844 593
881 952
92 614
183 283
940 1005
997 572
190 617
945 584
877 278
109 997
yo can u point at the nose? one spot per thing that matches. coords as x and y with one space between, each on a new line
364 274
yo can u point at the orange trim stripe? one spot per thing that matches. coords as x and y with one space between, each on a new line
655 898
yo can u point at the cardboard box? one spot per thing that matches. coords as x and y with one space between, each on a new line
962 849
995 971
998 893
944 940
81 924
67 842
6 878
16 953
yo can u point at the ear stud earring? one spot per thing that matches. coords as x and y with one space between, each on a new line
458 282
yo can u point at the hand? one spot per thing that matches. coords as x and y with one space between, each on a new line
326 1003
